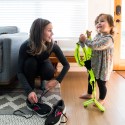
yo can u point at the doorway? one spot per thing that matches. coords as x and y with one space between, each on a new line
119 18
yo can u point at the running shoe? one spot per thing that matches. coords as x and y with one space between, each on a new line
56 114
40 109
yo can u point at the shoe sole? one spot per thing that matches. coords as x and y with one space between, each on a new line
37 113
64 112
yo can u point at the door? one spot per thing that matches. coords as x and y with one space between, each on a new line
119 52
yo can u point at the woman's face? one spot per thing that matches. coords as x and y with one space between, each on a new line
47 34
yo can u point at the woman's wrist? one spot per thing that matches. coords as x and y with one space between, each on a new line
57 81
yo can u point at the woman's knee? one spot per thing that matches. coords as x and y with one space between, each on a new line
30 65
49 74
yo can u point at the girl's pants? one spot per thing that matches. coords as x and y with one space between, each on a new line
102 88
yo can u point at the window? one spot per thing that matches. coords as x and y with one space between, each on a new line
69 17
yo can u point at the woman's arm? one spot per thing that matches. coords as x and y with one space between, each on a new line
21 59
59 54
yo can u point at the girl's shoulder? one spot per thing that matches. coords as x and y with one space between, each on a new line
109 36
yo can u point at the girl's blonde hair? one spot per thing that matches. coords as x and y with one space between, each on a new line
109 19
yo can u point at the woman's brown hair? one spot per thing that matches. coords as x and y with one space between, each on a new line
37 45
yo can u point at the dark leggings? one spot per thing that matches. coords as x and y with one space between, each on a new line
102 88
33 68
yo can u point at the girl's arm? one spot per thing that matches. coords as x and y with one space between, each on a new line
100 43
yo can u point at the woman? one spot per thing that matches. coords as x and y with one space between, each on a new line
34 59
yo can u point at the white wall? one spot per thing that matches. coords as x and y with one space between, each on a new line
95 8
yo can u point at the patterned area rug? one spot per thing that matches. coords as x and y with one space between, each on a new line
15 100
15 120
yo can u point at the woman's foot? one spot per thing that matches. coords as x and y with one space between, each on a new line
86 96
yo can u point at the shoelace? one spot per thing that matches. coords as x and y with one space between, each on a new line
42 94
65 117
57 110
21 113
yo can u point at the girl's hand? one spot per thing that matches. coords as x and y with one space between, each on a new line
32 97
82 38
51 84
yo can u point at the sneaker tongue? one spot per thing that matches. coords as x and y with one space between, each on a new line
58 112
36 108
53 111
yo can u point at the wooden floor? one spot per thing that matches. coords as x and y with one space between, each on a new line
75 83
122 73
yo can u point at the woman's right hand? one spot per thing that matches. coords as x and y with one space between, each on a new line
51 84
32 97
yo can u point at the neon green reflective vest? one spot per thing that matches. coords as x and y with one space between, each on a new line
87 53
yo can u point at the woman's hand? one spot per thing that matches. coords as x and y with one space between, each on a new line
82 38
51 84
32 97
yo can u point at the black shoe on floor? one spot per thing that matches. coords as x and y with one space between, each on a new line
55 116
40 109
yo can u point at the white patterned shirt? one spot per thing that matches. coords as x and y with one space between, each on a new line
102 55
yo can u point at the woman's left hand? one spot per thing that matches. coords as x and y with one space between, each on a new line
51 84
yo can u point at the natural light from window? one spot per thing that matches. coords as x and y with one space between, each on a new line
69 17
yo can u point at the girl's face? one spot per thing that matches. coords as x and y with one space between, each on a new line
103 26
47 34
